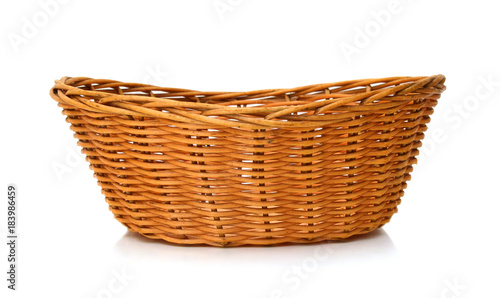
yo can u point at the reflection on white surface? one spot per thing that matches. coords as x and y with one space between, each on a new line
142 248
272 271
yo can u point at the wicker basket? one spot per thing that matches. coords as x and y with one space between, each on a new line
299 165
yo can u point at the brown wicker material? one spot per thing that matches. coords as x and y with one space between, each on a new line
299 165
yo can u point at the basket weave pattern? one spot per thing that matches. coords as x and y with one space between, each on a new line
299 165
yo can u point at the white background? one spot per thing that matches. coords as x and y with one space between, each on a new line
442 243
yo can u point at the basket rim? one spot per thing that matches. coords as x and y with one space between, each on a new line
322 98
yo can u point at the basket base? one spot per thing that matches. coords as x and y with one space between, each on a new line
235 240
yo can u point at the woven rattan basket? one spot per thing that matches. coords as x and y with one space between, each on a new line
299 165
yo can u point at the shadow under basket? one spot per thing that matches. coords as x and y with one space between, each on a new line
299 165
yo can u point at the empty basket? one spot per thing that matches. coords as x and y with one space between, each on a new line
298 165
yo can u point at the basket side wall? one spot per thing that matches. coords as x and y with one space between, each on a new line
193 184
